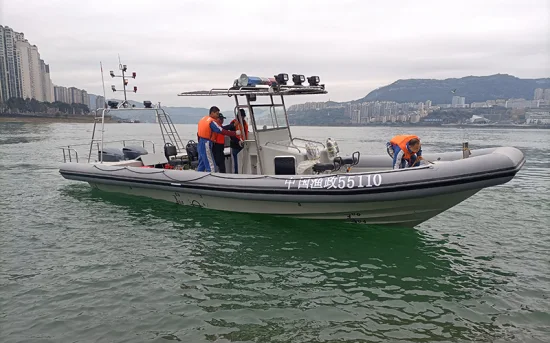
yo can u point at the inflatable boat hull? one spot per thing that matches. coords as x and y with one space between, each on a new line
370 194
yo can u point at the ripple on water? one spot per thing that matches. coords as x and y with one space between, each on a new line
81 265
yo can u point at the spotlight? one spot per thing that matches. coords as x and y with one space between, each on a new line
126 82
298 79
112 104
134 75
124 67
147 104
113 88
112 73
313 80
135 89
281 78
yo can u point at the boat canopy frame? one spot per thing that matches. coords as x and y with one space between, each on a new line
251 93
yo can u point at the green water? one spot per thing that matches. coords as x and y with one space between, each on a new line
78 265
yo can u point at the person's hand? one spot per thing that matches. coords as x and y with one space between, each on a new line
420 158
241 143
238 132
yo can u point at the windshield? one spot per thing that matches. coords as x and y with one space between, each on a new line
270 118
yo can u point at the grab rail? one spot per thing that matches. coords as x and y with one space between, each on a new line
69 153
286 146
123 141
307 140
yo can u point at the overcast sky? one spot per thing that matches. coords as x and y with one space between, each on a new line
354 46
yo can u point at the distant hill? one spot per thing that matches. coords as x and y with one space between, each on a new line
179 115
474 88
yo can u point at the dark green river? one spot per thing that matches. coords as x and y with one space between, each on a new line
80 265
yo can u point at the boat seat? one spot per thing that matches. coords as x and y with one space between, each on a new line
322 167
170 150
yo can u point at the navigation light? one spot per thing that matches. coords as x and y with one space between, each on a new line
113 88
135 89
112 73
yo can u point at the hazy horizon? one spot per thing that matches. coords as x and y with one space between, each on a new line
354 46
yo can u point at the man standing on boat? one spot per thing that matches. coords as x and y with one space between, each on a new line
407 151
208 130
236 143
219 147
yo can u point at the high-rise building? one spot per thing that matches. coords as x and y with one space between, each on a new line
23 57
92 100
10 84
22 73
75 96
539 94
47 85
458 101
85 98
61 94
455 100
99 102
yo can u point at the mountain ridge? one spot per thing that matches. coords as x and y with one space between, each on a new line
473 88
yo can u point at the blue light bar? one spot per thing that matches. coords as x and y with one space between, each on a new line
251 81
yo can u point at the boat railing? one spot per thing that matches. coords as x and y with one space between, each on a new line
67 152
143 141
284 145
68 156
308 140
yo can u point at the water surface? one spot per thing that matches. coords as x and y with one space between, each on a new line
80 265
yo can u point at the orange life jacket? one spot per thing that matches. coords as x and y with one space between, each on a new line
401 141
220 139
244 133
205 131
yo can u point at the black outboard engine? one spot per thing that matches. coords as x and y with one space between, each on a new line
192 154
110 155
133 152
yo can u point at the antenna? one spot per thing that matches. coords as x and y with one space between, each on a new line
123 68
103 82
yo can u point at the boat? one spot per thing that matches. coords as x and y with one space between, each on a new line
283 175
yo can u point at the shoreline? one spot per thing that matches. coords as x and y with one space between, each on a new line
85 119
11 118
452 126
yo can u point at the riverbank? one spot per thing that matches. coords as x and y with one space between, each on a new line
20 118
455 126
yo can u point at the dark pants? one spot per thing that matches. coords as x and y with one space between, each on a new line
234 153
219 158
